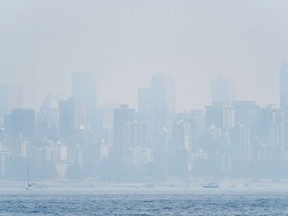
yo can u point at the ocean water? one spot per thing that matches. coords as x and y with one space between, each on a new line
143 203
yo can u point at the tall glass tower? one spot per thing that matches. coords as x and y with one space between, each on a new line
284 87
222 92
84 92
156 106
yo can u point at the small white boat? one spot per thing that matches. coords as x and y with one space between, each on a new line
29 187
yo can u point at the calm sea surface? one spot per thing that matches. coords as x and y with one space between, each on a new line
206 202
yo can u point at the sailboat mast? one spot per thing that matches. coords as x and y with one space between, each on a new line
28 173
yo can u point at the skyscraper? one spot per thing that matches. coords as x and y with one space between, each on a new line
10 98
246 112
272 128
23 123
156 106
284 86
130 137
222 92
48 118
284 98
122 116
84 92
220 116
67 119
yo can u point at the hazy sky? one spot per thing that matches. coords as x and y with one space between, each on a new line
125 42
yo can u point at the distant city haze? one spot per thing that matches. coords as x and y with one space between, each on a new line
126 42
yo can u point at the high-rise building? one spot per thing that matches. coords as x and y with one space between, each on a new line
48 118
137 134
67 119
4 162
10 98
246 112
144 104
122 116
104 126
181 137
222 92
284 97
163 101
220 116
284 86
84 92
244 148
22 123
156 106
271 128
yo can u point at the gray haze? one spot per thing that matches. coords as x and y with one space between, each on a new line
43 42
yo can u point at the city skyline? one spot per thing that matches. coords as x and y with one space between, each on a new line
66 92
180 82
227 83
74 138
192 41
143 107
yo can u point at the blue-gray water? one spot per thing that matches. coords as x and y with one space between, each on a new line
198 203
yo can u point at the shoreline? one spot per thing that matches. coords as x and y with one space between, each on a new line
96 186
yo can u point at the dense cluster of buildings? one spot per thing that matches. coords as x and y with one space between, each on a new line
77 138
